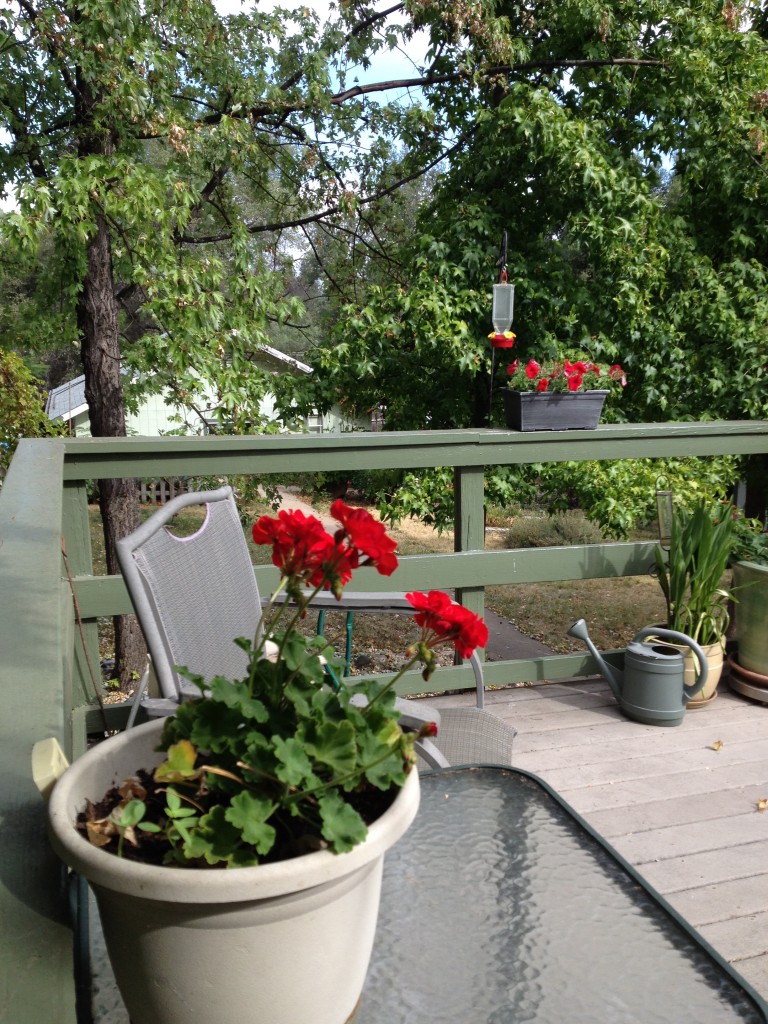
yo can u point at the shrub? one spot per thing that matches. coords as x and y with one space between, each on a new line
558 530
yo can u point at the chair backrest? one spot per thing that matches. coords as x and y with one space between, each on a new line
194 595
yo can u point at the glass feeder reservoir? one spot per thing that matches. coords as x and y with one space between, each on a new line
503 307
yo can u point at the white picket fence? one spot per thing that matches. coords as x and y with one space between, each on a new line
160 491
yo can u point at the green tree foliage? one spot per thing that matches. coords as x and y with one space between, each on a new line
22 410
166 153
624 151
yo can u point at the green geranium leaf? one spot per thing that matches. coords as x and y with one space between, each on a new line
301 654
236 695
215 841
300 692
343 827
333 744
249 814
385 759
213 725
294 767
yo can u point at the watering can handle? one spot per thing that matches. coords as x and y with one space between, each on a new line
681 638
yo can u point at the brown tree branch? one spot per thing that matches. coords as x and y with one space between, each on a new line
424 81
329 211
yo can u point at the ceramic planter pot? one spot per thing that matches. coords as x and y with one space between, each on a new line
283 943
714 653
750 584
556 410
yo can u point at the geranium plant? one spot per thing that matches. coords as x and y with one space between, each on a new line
564 375
286 759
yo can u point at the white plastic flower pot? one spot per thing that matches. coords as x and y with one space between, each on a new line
284 943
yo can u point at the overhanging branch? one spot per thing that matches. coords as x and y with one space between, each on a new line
329 211
426 81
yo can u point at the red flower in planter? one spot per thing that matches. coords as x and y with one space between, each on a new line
300 546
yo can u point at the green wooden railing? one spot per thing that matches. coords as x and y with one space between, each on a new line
45 649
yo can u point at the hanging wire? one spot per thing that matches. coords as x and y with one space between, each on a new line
502 262
502 265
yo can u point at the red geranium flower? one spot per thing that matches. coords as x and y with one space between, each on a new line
512 368
431 609
578 368
300 544
574 381
367 535
445 621
542 385
532 369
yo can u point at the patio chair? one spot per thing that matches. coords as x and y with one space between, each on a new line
195 595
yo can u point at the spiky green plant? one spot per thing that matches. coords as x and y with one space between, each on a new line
691 576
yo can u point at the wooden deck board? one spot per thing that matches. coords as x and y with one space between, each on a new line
683 814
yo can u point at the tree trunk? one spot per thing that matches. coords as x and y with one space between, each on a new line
118 499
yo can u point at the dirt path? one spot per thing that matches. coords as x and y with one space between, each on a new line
505 639
411 528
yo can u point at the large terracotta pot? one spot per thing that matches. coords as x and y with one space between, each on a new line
284 943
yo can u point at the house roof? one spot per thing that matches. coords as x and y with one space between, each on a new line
281 357
67 400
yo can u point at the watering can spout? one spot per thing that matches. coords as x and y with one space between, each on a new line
612 675
652 687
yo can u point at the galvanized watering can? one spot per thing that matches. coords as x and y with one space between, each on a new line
651 689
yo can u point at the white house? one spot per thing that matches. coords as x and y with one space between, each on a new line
156 416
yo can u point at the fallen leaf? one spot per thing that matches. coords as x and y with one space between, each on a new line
132 789
716 745
762 804
100 832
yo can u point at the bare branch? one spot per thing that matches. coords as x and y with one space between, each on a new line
425 81
330 211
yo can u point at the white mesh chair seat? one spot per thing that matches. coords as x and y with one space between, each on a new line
470 736
195 595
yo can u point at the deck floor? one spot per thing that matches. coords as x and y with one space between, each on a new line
680 804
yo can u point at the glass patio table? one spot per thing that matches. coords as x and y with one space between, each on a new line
500 905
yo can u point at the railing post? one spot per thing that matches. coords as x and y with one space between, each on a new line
36 982
77 541
469 526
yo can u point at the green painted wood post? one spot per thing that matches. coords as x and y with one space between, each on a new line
469 526
77 544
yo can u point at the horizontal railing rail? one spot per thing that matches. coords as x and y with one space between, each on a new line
45 648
